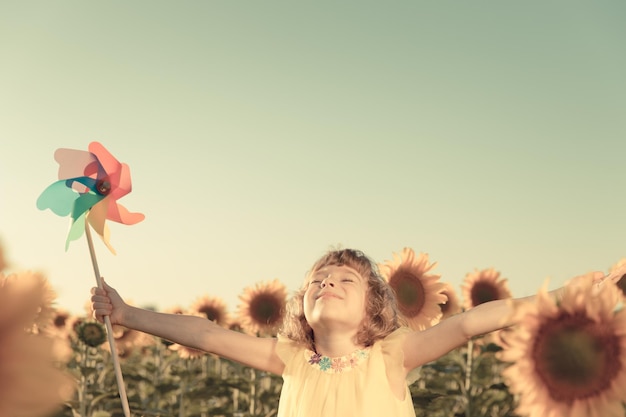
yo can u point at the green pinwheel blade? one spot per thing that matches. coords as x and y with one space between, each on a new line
58 197
83 203
76 230
63 200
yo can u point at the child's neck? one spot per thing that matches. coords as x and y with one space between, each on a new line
335 344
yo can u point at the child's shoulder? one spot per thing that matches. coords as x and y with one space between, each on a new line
286 347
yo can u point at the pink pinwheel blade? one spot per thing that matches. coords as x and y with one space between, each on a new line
125 183
118 174
108 161
74 163
119 213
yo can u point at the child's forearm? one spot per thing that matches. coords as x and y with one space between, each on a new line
495 315
182 329
203 334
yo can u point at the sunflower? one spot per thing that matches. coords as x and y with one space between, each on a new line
235 325
452 306
31 381
174 310
74 323
46 312
212 308
186 352
91 333
33 291
61 320
59 332
127 340
19 306
569 357
262 307
619 271
418 294
482 286
60 324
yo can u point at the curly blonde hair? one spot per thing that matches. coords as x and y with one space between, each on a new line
381 309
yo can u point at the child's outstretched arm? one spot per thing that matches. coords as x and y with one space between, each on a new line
195 332
428 345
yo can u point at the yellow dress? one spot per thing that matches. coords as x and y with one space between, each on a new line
352 385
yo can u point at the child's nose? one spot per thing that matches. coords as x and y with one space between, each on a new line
326 282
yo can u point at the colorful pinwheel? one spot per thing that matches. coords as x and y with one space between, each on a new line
90 183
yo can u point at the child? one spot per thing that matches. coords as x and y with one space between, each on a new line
342 350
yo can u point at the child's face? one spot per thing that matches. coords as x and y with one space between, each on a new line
335 296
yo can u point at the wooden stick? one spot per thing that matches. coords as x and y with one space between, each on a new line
107 322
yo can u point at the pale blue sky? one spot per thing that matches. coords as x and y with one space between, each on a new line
259 134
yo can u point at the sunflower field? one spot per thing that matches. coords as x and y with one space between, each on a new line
565 358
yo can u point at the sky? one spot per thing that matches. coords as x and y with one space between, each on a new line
261 134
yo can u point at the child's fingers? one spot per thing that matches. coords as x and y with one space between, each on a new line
101 307
97 291
104 300
104 290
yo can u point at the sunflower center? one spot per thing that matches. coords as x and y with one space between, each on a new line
576 357
483 292
91 334
445 307
410 293
211 313
60 320
265 309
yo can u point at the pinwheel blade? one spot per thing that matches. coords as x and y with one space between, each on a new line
58 198
124 185
74 163
120 214
109 163
84 203
97 217
77 228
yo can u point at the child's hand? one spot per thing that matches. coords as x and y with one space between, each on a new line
106 301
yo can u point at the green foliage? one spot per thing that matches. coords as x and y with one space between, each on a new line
464 383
